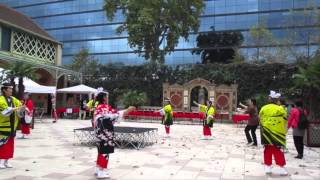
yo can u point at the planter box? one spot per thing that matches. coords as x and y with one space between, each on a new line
312 137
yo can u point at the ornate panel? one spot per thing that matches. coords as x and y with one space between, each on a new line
176 98
24 44
223 101
224 96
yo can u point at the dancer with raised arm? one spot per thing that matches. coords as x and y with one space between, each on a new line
208 118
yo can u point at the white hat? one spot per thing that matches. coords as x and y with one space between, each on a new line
99 90
274 94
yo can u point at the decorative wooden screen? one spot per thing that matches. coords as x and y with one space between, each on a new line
24 44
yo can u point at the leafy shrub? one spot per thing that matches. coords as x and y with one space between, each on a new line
134 98
252 79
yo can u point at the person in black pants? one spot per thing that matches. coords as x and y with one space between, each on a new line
253 121
297 133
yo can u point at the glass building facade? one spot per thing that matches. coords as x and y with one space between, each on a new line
83 24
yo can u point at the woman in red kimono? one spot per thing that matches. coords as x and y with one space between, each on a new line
27 119
104 119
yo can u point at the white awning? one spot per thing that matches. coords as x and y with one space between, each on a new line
33 87
79 89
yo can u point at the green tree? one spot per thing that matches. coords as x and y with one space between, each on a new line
238 57
270 48
261 37
155 26
308 23
218 47
308 79
20 70
91 71
86 64
134 98
262 99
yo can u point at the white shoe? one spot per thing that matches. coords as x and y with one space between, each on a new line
2 166
204 138
209 137
102 174
281 171
21 137
96 170
7 164
250 144
267 169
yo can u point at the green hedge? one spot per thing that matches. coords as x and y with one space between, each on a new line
253 79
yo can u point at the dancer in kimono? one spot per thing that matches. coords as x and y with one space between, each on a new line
167 119
273 134
54 110
209 112
10 107
104 129
91 106
26 120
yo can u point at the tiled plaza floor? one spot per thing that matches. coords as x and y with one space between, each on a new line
51 153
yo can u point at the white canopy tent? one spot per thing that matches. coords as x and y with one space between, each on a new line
33 87
79 89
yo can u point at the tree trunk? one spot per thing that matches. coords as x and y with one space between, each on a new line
21 88
14 93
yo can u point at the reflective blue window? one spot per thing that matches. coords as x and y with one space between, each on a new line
82 23
5 38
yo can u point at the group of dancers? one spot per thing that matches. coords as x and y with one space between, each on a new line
272 119
14 112
207 109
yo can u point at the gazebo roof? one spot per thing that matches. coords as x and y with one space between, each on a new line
12 17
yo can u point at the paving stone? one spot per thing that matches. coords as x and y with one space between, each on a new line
52 153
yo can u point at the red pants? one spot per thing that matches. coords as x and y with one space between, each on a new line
167 129
7 149
54 115
25 128
206 130
102 161
270 150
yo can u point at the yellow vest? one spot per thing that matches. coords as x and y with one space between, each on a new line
209 113
168 117
168 109
91 105
5 125
204 108
273 123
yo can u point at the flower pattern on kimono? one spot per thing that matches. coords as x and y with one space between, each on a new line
111 143
104 119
